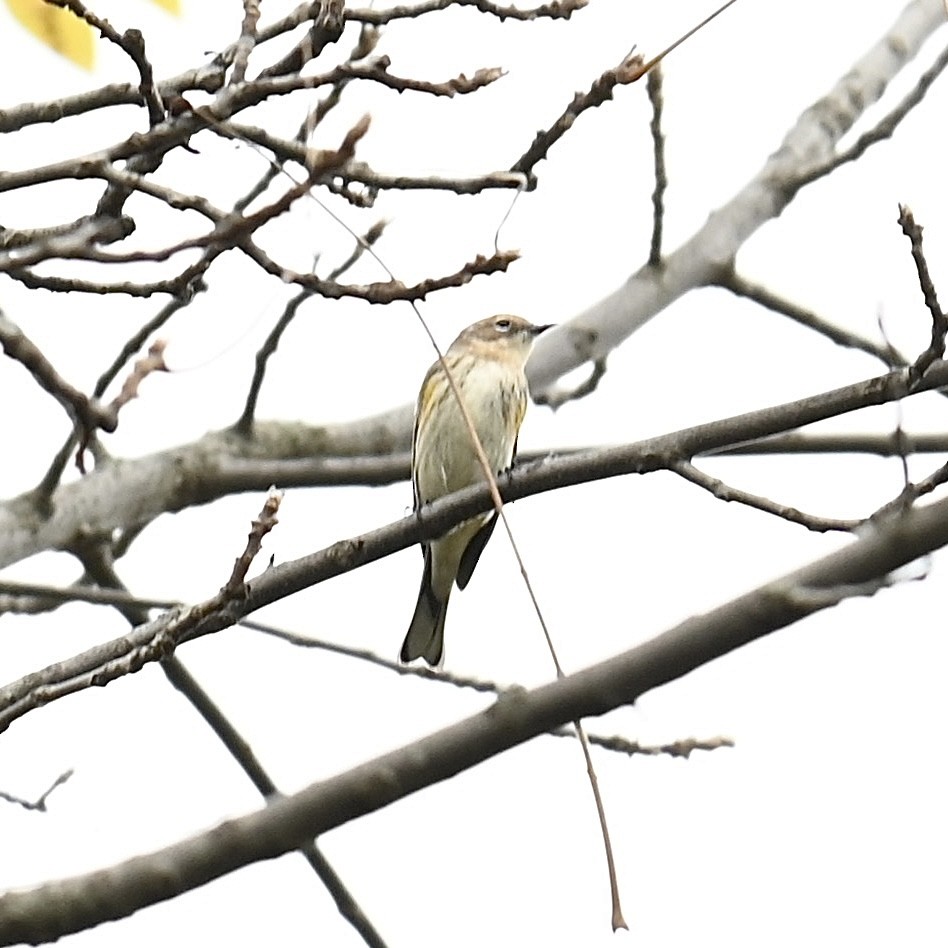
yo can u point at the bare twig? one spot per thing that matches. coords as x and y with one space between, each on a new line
176 286
244 424
209 78
72 241
557 9
176 479
154 361
265 522
39 804
741 286
392 290
327 28
731 494
357 172
99 567
253 93
654 87
33 598
621 745
162 637
559 396
84 412
87 414
607 322
884 445
682 748
912 492
51 910
133 44
328 24
599 92
936 348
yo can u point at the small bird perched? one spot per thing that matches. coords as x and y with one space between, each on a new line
487 363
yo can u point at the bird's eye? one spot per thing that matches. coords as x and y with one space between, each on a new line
502 325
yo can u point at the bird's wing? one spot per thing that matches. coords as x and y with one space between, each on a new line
472 552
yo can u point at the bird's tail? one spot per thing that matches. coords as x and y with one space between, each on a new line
425 638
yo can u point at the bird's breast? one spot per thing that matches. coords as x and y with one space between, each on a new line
445 459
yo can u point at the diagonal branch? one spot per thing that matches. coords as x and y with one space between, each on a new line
84 412
557 9
126 494
39 804
728 494
936 348
153 641
711 251
51 910
100 571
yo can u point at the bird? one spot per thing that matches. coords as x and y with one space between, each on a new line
487 363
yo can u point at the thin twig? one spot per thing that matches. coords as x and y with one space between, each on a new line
133 44
729 279
39 804
898 434
100 568
50 910
885 445
244 424
615 743
556 397
118 657
630 70
730 494
654 87
84 412
557 9
912 492
936 348
498 504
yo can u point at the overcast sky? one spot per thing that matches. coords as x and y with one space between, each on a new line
825 824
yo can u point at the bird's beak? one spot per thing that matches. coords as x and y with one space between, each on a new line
538 329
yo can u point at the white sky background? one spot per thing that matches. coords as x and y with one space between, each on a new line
826 823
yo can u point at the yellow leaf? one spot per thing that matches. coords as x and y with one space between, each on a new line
57 28
172 6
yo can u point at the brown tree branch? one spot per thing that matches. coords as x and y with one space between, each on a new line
710 252
886 445
936 348
84 412
655 97
730 494
132 43
764 296
328 24
39 804
54 909
557 9
244 424
153 641
99 569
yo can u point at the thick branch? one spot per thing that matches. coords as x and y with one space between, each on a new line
126 494
153 641
52 910
710 252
